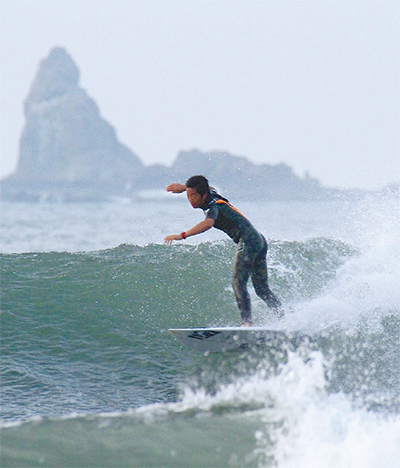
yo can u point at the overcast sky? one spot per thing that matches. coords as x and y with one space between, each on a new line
313 84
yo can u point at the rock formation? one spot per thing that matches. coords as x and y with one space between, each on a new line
237 177
66 143
68 152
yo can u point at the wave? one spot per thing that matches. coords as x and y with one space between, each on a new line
158 284
88 320
85 335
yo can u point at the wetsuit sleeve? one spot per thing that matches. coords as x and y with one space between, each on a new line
212 212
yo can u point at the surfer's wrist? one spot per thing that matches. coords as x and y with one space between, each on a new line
183 235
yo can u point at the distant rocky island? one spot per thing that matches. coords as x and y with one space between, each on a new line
68 152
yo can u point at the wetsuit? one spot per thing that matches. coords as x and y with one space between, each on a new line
251 253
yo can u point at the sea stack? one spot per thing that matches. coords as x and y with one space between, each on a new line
67 149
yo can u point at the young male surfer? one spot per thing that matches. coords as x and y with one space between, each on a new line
250 259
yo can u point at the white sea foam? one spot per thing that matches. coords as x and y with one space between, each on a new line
326 430
305 426
367 285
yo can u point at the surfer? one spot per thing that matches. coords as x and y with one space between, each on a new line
251 253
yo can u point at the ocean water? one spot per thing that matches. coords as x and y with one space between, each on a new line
92 378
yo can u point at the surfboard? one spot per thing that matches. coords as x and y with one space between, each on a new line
221 339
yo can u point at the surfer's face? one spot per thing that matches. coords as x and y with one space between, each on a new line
195 199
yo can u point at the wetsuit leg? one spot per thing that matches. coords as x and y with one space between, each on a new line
259 277
242 267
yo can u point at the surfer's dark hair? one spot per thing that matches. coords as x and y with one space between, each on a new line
200 183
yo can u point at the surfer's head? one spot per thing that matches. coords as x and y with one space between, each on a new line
197 190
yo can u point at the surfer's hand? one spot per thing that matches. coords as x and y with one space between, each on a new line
169 239
176 188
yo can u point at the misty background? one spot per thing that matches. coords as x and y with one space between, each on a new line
309 83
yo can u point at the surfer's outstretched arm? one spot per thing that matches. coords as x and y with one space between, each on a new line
205 225
176 188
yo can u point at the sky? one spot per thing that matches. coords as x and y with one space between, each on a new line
314 84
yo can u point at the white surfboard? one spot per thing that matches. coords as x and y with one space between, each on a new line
215 340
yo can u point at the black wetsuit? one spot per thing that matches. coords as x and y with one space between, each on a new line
250 256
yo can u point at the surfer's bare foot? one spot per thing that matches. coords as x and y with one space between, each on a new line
247 324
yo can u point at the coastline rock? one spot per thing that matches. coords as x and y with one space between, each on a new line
68 152
237 177
67 149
